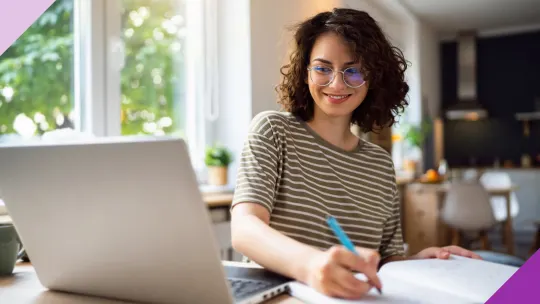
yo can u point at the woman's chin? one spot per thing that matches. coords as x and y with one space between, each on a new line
337 112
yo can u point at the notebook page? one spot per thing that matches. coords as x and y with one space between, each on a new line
394 291
476 280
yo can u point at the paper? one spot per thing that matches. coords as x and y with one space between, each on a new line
474 279
394 291
458 280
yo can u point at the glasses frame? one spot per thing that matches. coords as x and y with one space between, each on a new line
334 77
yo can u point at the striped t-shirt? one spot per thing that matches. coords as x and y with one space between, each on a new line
301 178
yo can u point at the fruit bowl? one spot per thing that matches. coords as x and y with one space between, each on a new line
431 177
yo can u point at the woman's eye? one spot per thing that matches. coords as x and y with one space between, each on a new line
352 71
322 70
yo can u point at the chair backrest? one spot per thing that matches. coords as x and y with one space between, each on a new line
496 180
470 175
467 206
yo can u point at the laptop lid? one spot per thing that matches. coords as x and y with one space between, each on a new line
114 217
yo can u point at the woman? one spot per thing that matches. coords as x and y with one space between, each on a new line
300 165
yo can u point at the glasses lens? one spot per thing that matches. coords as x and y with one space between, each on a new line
321 75
353 77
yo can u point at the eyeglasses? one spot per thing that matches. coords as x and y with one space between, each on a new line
323 76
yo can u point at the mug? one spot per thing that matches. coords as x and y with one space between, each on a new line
10 249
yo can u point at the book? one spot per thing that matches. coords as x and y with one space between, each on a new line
455 280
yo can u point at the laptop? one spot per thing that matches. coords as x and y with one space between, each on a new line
122 218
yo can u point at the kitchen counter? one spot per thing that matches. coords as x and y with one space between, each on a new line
496 168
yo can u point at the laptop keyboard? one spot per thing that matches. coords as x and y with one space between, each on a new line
242 288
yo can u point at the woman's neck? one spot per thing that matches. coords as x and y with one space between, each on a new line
335 130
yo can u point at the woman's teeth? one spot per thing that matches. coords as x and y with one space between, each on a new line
338 96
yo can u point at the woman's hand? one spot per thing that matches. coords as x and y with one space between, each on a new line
331 272
445 252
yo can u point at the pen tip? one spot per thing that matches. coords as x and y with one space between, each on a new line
379 290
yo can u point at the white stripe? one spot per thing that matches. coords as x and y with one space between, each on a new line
242 180
322 241
259 161
348 165
246 171
366 207
332 153
265 145
328 165
323 219
323 210
381 154
256 155
250 195
362 183
352 233
362 197
264 191
377 238
358 189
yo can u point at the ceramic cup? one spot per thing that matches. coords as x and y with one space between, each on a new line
10 249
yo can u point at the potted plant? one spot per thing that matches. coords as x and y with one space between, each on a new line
217 160
415 136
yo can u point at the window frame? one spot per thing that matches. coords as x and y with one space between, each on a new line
100 54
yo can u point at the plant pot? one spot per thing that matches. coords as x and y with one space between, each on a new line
217 176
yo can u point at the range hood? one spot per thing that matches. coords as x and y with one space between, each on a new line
467 107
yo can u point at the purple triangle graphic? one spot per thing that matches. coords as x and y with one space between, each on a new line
523 286
16 16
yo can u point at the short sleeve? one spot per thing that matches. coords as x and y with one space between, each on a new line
258 167
392 239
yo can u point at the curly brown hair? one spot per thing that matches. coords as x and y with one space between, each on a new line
383 64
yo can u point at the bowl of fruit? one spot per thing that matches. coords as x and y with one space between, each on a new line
431 177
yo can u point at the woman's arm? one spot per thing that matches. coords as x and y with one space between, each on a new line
254 238
329 271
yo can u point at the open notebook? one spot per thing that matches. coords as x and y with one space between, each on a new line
456 280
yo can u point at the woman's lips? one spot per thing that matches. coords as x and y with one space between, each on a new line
337 98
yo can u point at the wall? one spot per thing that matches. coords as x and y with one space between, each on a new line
235 80
430 80
430 70
508 76
271 41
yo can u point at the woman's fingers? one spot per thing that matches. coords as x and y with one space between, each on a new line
353 287
359 263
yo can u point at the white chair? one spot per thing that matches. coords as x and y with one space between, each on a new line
470 175
467 209
500 180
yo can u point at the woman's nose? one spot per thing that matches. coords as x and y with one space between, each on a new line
338 82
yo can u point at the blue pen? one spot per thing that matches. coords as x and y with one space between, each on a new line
343 238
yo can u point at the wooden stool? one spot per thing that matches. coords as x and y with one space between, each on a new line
536 244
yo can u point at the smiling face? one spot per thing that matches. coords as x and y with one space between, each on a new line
337 99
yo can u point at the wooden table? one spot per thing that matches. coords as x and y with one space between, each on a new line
23 287
218 199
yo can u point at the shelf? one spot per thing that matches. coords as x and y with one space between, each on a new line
528 116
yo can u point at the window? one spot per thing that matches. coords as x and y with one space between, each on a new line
153 75
36 76
111 68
